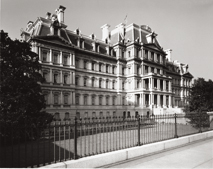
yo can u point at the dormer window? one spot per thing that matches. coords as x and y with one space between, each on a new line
122 54
129 54
77 31
93 36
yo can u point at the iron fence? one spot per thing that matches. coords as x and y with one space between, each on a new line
78 138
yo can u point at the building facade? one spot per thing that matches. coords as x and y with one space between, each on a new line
125 73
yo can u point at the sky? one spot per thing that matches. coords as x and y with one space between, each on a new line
185 26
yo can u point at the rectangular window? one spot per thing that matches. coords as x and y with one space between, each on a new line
55 76
45 76
76 81
113 101
44 56
55 99
65 79
123 100
113 70
122 85
107 100
101 114
46 98
57 117
86 114
146 54
67 116
93 66
100 100
99 83
99 67
78 115
122 71
85 100
158 71
65 99
85 81
152 69
77 63
122 55
65 60
93 114
158 58
93 82
138 83
129 54
146 69
55 58
107 67
107 114
77 100
113 85
93 100
107 83
114 114
152 56
85 64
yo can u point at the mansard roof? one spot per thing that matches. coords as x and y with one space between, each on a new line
188 74
41 31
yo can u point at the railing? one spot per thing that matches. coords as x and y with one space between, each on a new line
78 138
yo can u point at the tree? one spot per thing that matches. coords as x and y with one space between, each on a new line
22 103
200 101
201 95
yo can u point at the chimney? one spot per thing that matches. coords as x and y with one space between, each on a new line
48 15
105 32
169 54
121 28
60 13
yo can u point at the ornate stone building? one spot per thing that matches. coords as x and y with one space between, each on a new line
124 74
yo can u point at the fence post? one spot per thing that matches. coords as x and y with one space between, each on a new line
176 136
75 138
200 115
139 143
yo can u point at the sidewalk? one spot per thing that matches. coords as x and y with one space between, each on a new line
195 155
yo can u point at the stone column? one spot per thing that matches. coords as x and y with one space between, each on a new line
152 83
170 85
164 100
73 57
158 100
70 59
51 56
164 85
170 101
61 59
158 84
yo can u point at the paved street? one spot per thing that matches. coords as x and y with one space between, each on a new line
195 155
